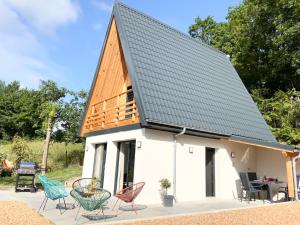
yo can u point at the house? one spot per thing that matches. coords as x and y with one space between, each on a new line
164 105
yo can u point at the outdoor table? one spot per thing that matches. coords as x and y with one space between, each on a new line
270 186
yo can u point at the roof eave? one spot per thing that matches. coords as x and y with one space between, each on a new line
233 138
264 144
189 131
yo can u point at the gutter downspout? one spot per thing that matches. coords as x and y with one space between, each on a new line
295 176
174 160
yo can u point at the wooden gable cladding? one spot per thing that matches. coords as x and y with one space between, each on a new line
111 102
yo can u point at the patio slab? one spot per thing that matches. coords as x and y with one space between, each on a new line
146 211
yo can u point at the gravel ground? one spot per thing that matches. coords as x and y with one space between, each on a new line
280 214
18 213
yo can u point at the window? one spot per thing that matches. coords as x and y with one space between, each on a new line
129 107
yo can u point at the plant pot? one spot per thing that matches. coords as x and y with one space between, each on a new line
168 200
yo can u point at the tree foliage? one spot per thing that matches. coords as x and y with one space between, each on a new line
282 113
70 116
25 112
262 39
19 108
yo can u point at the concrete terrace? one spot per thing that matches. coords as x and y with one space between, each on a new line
125 214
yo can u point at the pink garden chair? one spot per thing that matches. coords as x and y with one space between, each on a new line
129 194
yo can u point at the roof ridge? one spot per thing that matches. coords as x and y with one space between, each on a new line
169 27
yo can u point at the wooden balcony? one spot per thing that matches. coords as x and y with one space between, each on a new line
116 111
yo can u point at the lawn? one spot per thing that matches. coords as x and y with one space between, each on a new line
65 173
58 153
59 174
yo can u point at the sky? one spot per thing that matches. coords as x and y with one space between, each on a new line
61 40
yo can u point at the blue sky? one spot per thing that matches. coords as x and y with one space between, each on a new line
61 39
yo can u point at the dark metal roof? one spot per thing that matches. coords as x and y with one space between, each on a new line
179 81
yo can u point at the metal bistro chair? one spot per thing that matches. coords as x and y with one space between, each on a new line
83 183
54 190
129 194
89 195
250 188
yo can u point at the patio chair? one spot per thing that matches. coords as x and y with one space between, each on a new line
90 198
54 190
83 183
250 188
129 194
283 190
298 184
252 176
7 168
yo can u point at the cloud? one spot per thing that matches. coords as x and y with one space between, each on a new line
102 5
23 56
45 15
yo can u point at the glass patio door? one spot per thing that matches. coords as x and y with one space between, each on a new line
99 162
125 165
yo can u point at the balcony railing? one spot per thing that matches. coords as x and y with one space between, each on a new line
116 111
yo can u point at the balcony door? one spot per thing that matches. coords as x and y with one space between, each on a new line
125 165
99 162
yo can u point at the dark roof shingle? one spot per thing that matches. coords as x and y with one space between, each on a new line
183 82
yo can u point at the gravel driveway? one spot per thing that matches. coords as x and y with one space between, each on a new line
18 213
280 214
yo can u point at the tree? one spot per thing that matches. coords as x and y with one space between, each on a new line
204 29
52 97
18 111
282 113
70 118
262 39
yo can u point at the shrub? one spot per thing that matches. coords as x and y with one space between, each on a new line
2 156
20 149
165 184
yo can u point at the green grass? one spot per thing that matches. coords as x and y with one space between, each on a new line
60 174
56 155
56 159
65 173
7 181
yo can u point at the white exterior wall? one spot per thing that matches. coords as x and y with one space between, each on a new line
228 168
154 161
271 163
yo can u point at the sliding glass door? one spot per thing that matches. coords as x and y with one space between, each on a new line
99 162
125 164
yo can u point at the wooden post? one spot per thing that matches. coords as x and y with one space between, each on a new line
289 172
103 113
133 112
117 116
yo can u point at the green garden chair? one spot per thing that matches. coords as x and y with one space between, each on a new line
89 195
54 190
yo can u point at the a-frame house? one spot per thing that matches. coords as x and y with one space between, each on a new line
164 105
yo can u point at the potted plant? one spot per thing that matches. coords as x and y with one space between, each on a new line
167 199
